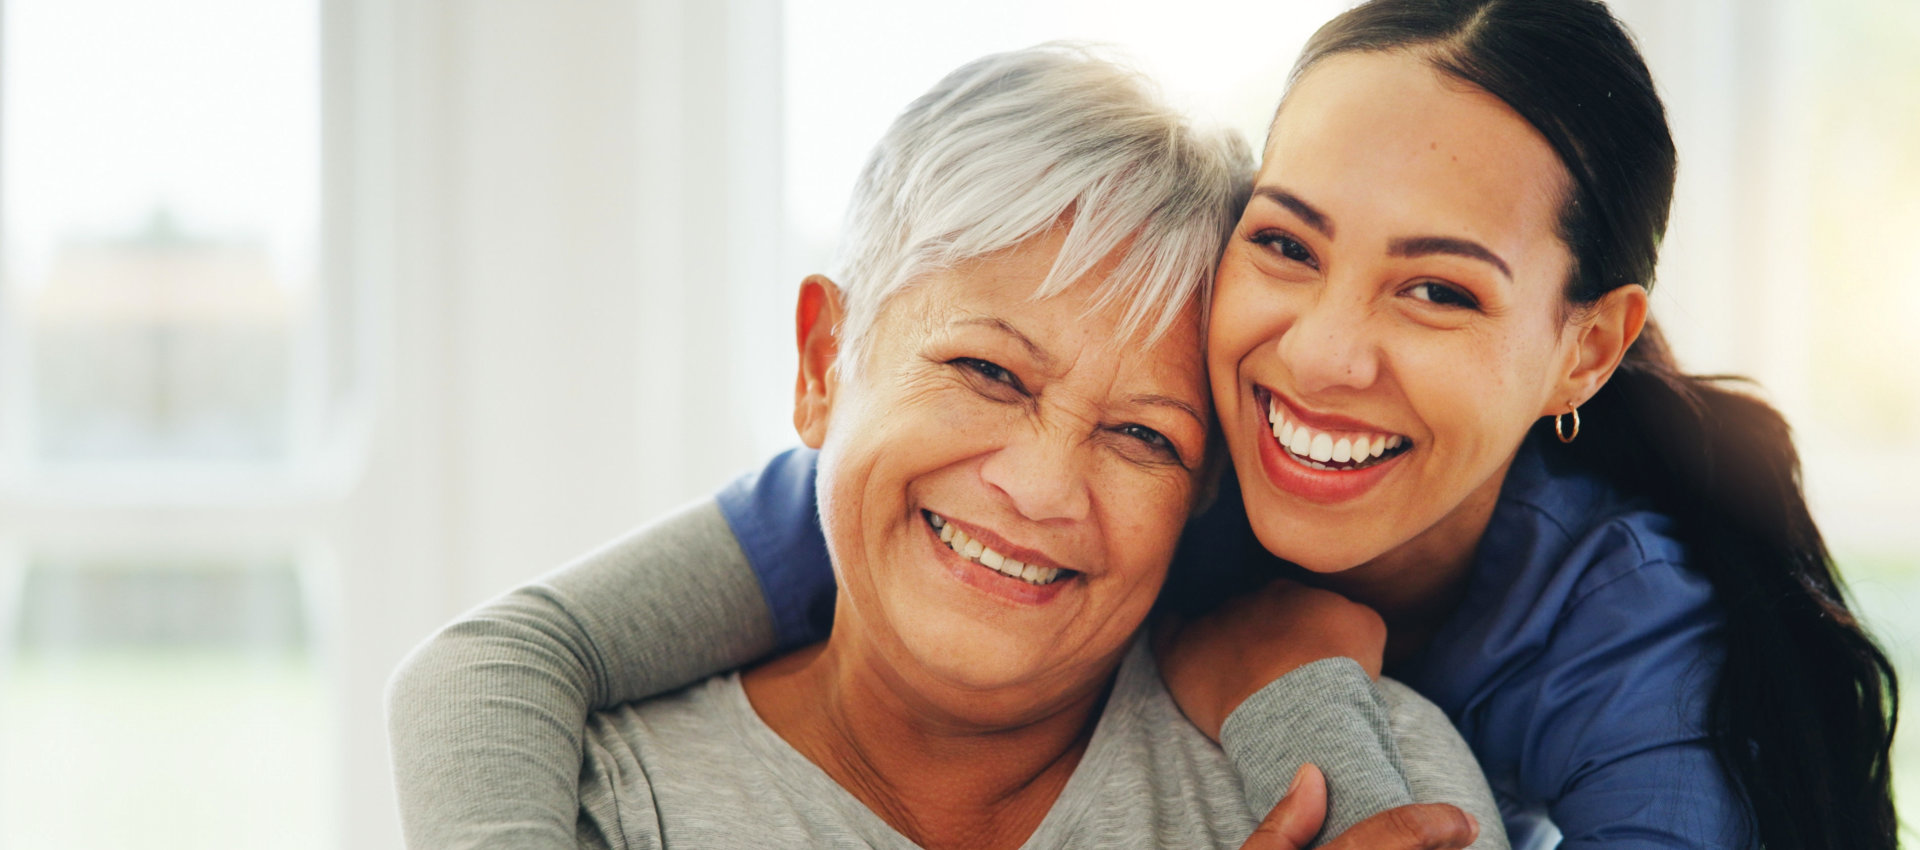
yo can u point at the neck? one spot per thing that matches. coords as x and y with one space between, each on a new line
1418 584
936 775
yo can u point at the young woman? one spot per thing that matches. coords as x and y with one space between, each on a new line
1431 362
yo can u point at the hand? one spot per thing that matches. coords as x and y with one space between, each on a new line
1213 664
1294 820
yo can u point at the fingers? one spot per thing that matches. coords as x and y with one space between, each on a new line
1431 826
1297 817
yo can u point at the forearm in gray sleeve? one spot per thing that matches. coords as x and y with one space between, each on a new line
1440 767
1328 713
486 718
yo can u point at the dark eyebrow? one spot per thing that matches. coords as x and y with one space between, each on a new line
1421 246
1039 354
1313 217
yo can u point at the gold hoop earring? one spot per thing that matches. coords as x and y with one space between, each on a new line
1559 427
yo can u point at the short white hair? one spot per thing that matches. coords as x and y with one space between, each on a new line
1012 144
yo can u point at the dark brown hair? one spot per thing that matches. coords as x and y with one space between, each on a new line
1803 711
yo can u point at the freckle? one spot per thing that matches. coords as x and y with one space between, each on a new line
1433 146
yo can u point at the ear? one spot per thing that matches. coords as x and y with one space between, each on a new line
816 332
1601 341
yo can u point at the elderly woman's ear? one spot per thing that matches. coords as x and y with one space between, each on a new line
816 332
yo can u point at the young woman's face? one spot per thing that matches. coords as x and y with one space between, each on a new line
1387 320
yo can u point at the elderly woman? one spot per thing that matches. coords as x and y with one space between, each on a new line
1009 399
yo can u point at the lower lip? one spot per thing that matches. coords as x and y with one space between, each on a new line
997 585
1323 486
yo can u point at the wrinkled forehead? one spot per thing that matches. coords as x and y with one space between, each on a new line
1078 333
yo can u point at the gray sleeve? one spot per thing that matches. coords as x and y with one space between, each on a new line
485 719
1440 767
1328 713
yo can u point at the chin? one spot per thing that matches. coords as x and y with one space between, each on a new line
1316 544
966 653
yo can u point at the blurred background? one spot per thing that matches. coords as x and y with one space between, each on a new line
322 321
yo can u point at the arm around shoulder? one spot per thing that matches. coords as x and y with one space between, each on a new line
486 718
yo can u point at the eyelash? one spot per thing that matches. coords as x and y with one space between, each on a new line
1286 246
1455 297
990 370
1001 375
1152 438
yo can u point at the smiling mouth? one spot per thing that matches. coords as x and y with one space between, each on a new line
977 552
1329 451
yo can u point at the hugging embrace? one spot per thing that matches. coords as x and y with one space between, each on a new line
1130 468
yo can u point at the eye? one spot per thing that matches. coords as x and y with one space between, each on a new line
990 370
1444 295
1148 436
1286 246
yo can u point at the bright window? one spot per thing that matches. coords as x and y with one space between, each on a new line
160 374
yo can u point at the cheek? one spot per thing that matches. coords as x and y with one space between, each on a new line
1246 317
1475 390
1144 515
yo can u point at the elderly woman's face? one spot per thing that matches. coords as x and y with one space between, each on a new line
1003 480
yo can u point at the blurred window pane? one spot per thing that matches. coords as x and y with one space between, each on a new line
159 168
170 702
1863 124
160 308
1860 117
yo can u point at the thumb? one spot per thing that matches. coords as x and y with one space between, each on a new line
1296 819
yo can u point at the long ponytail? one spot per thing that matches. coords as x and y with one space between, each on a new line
1802 715
1803 712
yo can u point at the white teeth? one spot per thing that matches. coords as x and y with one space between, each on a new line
1362 448
977 552
1322 448
1302 441
1315 449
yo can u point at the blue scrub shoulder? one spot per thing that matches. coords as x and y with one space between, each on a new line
775 514
1580 664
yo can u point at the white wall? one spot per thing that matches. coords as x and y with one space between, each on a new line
543 208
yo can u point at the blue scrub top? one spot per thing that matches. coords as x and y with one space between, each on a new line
1578 665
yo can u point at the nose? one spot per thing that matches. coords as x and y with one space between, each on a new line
1329 345
1040 475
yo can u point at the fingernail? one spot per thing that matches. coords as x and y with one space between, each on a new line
1295 782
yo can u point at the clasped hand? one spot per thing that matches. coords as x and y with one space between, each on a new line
1214 663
